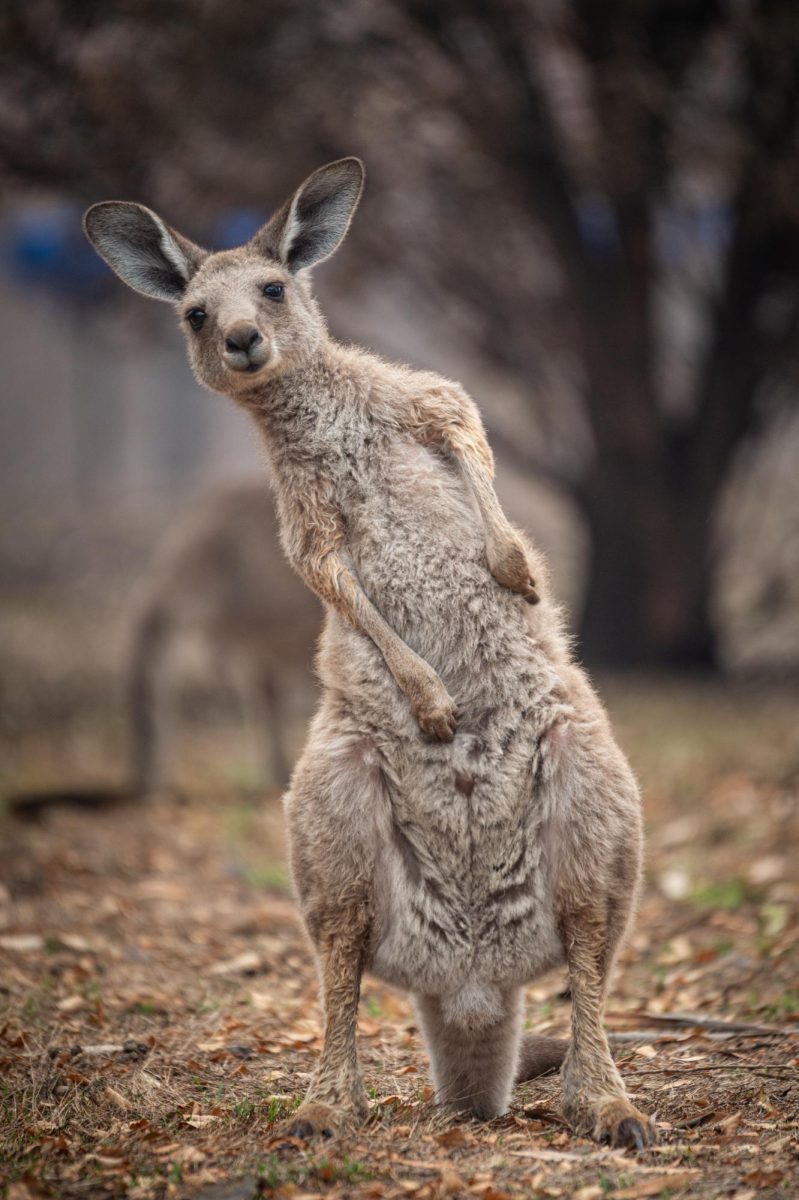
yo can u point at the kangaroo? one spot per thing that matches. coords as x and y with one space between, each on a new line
220 574
461 818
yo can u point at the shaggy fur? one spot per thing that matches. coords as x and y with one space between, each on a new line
461 818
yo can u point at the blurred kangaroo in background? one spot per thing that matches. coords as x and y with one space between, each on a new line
461 818
220 578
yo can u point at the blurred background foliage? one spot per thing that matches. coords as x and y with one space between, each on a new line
587 210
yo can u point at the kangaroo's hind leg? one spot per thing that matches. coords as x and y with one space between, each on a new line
336 809
474 1061
598 871
596 1100
336 1093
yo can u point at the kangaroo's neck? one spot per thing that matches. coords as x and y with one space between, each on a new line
292 408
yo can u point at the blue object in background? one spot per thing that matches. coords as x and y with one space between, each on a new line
46 247
598 227
235 226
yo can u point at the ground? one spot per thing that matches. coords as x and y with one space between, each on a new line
158 1011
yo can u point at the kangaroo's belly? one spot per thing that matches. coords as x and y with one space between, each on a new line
463 886
462 911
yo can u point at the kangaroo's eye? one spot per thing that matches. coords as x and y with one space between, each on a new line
196 317
274 291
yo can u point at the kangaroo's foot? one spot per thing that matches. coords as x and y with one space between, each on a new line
621 1124
612 1120
311 1120
317 1119
509 566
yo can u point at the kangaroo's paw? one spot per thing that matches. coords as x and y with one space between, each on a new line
509 567
438 724
436 713
623 1126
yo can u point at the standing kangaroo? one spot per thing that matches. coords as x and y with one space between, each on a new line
220 577
461 819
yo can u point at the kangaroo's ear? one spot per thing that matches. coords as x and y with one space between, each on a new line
145 253
311 225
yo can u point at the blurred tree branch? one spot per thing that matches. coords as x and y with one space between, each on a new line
529 166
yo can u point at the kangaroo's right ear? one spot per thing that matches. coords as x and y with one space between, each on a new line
149 256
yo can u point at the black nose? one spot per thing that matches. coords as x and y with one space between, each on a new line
242 338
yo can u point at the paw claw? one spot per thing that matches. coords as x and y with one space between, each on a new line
303 1130
633 1134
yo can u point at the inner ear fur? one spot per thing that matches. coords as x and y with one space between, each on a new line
312 223
143 250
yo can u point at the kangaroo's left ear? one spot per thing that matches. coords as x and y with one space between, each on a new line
312 224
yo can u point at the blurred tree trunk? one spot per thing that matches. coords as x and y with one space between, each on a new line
650 490
648 594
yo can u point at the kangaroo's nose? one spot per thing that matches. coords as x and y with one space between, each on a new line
242 336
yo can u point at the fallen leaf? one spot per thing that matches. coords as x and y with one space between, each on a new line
241 964
655 1185
71 1004
116 1098
762 1179
73 941
22 943
262 1001
450 1183
450 1139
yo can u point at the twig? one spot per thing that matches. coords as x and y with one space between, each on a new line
699 1021
661 1035
772 1073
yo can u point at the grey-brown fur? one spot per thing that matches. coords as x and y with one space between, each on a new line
457 867
220 578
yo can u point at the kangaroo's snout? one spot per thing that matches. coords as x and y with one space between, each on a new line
242 336
246 349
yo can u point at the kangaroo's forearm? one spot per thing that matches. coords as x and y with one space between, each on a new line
480 483
447 417
450 420
335 581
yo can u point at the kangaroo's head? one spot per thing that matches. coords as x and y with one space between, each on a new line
248 313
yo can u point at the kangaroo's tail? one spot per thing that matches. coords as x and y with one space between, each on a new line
540 1056
149 636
